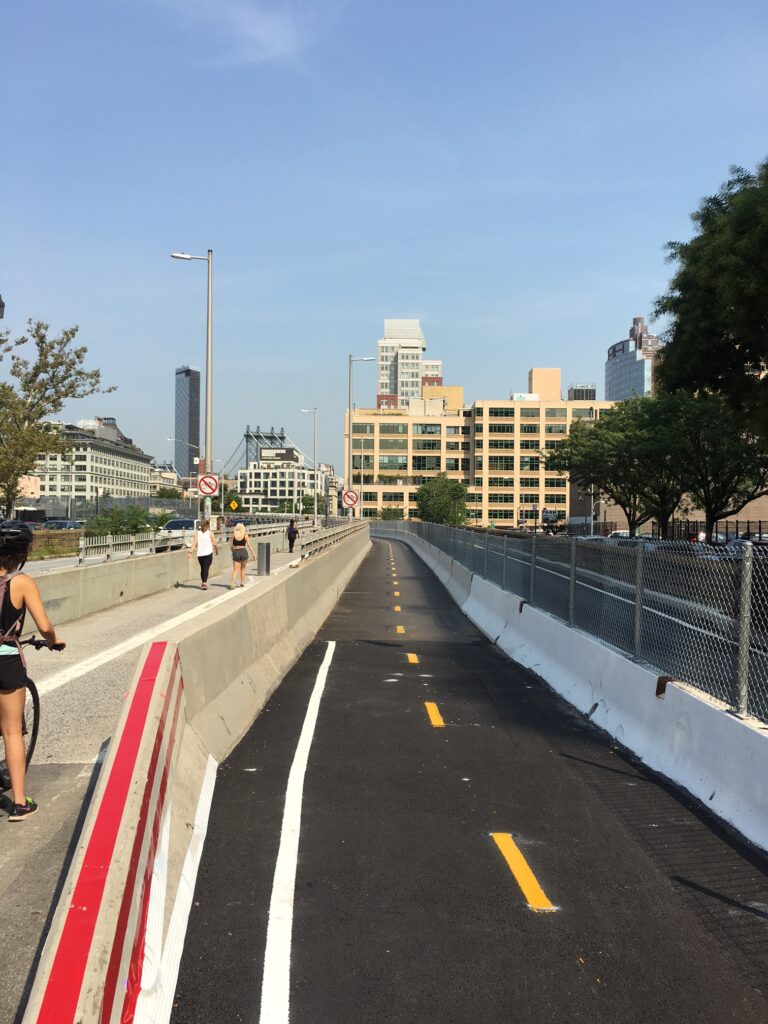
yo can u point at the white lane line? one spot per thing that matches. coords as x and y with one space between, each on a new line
158 983
275 987
118 650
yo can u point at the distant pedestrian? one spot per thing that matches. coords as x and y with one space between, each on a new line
240 545
205 544
292 533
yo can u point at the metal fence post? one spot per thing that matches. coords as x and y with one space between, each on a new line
132 550
572 585
745 617
533 567
152 543
110 547
639 567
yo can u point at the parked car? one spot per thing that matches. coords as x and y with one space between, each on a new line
180 524
736 547
62 524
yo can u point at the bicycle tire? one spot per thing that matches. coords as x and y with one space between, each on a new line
30 729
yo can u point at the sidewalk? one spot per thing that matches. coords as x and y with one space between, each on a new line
82 692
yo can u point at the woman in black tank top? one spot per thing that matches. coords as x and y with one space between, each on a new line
20 594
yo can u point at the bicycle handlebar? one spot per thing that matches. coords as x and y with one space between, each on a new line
32 641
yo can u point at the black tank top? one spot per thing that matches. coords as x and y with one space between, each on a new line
8 612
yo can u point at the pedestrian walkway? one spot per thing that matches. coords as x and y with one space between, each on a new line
82 692
470 849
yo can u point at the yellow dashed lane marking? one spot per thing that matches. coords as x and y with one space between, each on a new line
395 593
413 659
434 715
525 878
399 629
396 582
397 608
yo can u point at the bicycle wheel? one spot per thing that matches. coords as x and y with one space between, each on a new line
29 728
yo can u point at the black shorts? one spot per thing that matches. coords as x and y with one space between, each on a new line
13 675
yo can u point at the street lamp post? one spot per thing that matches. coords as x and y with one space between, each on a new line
313 410
353 359
208 368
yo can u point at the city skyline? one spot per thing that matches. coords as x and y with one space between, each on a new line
490 186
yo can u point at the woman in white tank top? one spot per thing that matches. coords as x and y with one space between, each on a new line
205 544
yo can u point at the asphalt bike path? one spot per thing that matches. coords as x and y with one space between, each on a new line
82 692
470 849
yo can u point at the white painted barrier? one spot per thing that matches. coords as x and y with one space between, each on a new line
691 739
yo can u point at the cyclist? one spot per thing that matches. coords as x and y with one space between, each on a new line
19 594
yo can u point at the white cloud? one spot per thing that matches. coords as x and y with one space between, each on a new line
257 31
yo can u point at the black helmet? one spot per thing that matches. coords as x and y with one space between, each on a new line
14 537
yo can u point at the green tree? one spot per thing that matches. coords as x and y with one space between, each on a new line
441 500
168 492
390 513
308 505
131 519
37 389
718 301
723 465
606 455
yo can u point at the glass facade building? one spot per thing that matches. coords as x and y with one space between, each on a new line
187 423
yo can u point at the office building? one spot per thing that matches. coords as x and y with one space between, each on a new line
402 370
629 366
280 480
494 447
101 460
187 422
582 393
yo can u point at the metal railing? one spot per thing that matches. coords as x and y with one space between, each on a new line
158 541
689 611
324 538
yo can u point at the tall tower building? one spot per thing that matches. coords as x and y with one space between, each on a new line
629 366
187 422
402 368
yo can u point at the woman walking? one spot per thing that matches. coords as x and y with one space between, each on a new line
17 594
240 545
292 533
205 544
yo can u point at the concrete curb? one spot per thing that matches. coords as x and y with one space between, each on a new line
193 697
693 740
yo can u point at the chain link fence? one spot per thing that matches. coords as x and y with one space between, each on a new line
689 611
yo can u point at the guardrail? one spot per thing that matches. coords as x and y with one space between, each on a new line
695 613
324 538
157 541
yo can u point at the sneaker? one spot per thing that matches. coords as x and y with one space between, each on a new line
204 586
19 812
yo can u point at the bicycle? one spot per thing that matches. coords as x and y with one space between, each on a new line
30 725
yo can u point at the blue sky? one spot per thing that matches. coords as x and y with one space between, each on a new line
507 172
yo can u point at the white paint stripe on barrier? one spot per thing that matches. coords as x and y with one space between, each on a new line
275 988
158 987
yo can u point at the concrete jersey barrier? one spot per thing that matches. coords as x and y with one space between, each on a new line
694 740
115 942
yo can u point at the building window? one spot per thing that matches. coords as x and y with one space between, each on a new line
529 463
529 414
556 414
529 499
529 428
478 462
555 499
362 428
502 445
425 462
453 431
426 428
529 481
393 462
426 445
556 428
393 444
505 462
530 446
505 428
549 445
393 496
501 481
556 481
452 446
452 465
393 428
502 413
501 499
582 414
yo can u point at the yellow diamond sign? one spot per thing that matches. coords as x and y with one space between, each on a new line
234 505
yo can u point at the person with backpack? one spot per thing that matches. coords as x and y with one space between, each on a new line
18 594
292 533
